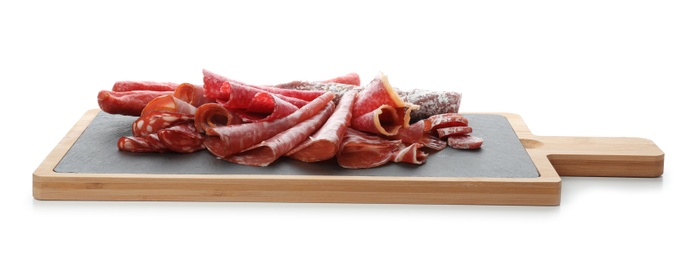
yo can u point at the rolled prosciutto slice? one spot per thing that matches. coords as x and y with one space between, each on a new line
130 103
168 103
378 109
192 94
409 154
360 150
213 88
325 143
214 115
122 86
269 150
224 141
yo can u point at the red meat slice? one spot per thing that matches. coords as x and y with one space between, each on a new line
269 150
466 142
214 115
227 140
325 143
454 130
409 154
157 120
214 88
379 110
141 144
122 86
360 150
192 94
383 120
446 120
129 103
378 92
266 107
168 103
432 142
181 138
349 79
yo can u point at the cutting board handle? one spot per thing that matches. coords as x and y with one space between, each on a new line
599 156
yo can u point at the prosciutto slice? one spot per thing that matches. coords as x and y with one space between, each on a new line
192 94
269 150
409 154
214 115
325 143
361 150
130 103
224 141
168 103
378 109
214 88
266 107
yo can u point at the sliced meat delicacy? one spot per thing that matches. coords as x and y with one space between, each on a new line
157 120
192 94
214 115
378 109
141 144
409 154
269 150
130 103
466 142
181 138
325 143
168 103
431 102
361 150
122 86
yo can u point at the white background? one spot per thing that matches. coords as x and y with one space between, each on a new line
570 68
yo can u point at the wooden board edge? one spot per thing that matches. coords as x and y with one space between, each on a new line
49 185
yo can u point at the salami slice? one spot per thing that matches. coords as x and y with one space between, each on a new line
446 120
454 130
409 154
181 138
168 103
325 143
360 150
266 107
269 150
466 142
129 103
157 120
214 115
227 140
141 144
122 86
192 94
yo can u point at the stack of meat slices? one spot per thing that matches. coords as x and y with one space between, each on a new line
360 127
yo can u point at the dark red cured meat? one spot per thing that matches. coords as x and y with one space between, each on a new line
360 150
378 93
446 120
192 94
122 86
431 102
154 121
432 142
383 120
129 103
413 133
227 140
325 143
454 130
181 138
266 107
348 79
214 84
409 154
466 142
214 115
269 150
169 103
143 144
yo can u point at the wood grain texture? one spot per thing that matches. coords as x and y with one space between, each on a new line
553 157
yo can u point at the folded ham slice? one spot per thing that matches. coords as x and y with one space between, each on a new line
325 143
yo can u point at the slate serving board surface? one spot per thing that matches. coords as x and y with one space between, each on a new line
501 156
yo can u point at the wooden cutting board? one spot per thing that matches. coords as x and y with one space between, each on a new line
514 167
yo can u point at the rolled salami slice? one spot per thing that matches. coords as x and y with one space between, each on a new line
227 140
192 94
325 143
360 150
269 150
122 86
214 115
466 142
130 103
169 103
142 144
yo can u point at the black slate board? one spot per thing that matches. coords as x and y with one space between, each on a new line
501 156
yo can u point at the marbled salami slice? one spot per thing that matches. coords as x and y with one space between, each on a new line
122 86
446 120
214 115
192 94
227 140
181 138
454 130
409 154
169 103
141 144
130 103
269 150
325 143
466 142
360 150
154 121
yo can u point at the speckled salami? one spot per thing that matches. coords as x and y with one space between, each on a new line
130 103
224 141
466 142
454 130
181 138
122 86
269 150
142 144
446 120
325 143
157 120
